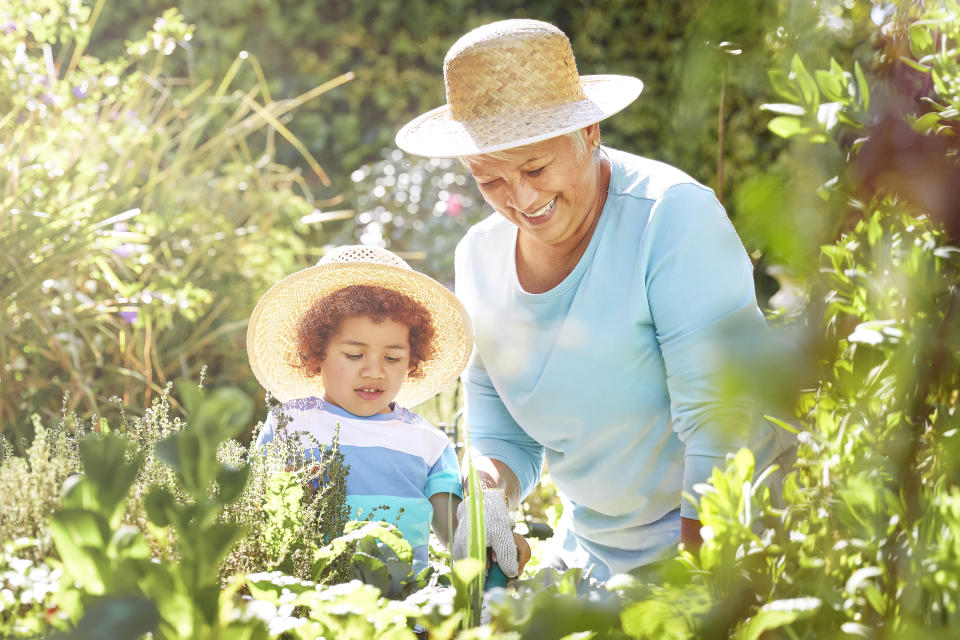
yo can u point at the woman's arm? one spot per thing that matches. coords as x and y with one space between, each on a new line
701 294
494 474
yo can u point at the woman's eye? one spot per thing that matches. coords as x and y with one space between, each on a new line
489 183
535 172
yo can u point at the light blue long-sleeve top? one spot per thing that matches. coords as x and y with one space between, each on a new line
612 373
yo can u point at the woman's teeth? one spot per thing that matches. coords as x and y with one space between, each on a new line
544 210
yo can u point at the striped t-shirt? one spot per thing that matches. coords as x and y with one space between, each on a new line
397 460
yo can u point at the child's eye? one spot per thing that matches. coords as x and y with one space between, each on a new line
353 356
392 359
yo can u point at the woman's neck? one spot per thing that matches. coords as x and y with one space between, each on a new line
540 265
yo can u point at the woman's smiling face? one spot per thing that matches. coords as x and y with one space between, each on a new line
365 365
547 189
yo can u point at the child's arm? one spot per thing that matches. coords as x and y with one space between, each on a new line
445 515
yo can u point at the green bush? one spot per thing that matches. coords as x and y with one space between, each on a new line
684 52
864 543
141 217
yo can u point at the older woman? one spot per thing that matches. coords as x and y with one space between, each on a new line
602 291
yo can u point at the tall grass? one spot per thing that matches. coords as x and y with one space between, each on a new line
141 214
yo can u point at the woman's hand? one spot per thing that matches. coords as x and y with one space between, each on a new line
523 551
510 550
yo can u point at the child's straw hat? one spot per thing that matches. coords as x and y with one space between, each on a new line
511 83
272 332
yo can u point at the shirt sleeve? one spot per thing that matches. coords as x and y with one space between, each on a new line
265 436
444 475
493 431
701 294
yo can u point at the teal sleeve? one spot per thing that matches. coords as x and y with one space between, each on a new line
493 431
701 293
444 476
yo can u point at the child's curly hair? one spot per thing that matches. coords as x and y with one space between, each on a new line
323 319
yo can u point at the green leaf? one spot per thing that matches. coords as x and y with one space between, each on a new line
744 464
128 542
786 426
85 528
117 616
830 85
806 83
392 538
79 537
654 619
214 543
168 451
913 64
862 88
161 507
782 85
921 40
467 570
231 483
787 126
109 474
777 614
784 108
875 598
925 123
372 570
190 394
223 415
860 576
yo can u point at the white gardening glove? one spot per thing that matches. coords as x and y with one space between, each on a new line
499 531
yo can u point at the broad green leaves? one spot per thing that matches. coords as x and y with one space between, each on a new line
807 115
123 588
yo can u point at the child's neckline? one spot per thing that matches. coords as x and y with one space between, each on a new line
343 413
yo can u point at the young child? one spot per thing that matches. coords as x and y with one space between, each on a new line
349 341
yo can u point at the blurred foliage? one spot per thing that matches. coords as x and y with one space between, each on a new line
854 202
703 63
864 542
140 218
418 207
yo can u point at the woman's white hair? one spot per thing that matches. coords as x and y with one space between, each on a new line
577 136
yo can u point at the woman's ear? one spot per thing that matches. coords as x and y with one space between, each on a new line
591 134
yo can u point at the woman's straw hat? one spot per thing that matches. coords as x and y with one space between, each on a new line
272 332
511 83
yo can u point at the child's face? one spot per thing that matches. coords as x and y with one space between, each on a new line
366 364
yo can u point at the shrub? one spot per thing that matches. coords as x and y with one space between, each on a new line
141 217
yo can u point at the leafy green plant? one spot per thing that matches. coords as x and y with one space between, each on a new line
30 485
140 217
111 562
401 200
861 532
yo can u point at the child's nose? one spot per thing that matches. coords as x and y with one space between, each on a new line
374 369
